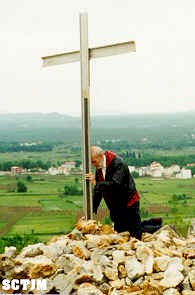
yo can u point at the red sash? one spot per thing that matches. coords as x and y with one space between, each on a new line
135 198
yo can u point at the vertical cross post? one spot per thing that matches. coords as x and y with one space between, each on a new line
84 56
85 107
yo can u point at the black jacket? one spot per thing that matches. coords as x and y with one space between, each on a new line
117 189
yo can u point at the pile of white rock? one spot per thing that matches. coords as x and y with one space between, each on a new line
93 259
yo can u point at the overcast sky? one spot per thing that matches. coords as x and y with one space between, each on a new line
159 77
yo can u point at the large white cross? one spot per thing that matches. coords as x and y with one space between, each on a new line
84 55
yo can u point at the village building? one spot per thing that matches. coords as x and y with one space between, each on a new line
184 174
16 170
190 165
156 169
52 171
131 169
171 171
63 169
167 172
175 168
143 171
69 165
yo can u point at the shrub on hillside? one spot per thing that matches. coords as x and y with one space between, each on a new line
72 190
21 187
18 241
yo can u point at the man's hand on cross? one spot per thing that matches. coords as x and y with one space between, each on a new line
90 176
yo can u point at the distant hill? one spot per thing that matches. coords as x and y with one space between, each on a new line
140 129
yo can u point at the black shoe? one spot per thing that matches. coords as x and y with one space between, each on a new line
157 221
151 228
152 221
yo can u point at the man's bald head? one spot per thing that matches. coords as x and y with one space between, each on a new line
97 156
96 151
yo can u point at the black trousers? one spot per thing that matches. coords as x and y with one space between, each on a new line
128 219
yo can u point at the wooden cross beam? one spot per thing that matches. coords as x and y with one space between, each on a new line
84 55
96 52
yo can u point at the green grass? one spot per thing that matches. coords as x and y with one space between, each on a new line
159 193
44 223
41 183
59 153
2 224
56 215
19 200
68 203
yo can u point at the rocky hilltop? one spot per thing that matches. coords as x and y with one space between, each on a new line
93 259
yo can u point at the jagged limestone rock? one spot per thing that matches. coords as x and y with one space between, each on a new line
96 260
134 268
151 287
33 250
87 226
75 234
64 283
101 241
186 284
171 291
10 252
161 263
172 277
35 267
88 289
122 273
117 284
192 278
79 250
145 255
188 292
118 257
191 229
7 265
111 273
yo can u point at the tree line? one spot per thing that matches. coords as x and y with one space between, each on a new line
145 159
131 158
18 147
25 164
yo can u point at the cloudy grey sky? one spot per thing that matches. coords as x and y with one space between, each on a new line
157 78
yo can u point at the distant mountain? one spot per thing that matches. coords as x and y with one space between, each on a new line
37 120
144 120
41 120
142 129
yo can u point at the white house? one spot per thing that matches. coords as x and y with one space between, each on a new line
184 174
69 165
156 169
190 165
167 172
131 169
53 171
170 171
63 169
143 171
16 170
175 168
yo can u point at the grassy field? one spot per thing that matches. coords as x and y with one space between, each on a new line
43 210
157 198
59 153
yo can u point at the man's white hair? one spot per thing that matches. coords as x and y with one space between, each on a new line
96 151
